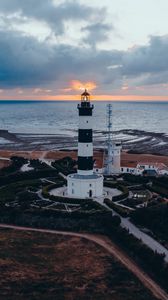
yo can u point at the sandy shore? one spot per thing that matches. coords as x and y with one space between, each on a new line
134 141
137 146
126 158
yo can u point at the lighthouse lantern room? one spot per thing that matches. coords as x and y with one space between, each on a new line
85 183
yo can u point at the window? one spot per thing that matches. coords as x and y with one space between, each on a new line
90 184
72 184
86 121
72 191
87 145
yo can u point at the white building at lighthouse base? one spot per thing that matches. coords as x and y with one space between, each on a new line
85 186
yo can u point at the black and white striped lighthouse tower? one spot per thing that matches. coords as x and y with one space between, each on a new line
85 136
85 183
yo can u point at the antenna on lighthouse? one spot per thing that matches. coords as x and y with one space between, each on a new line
109 141
113 148
109 122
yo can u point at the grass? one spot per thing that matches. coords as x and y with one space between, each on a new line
41 266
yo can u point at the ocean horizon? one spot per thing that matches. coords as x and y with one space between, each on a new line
61 117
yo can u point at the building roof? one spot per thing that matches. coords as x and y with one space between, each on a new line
158 165
145 162
78 176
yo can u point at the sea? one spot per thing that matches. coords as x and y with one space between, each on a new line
61 117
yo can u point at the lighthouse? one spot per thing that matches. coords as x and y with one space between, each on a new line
85 183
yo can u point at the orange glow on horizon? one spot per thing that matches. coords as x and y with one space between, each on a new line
77 97
109 98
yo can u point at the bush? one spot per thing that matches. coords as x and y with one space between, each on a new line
136 179
120 210
9 193
110 184
155 218
16 164
65 165
31 175
124 195
159 189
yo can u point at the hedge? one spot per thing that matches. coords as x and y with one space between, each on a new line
20 176
124 195
110 184
120 210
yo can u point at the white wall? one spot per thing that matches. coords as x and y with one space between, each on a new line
80 187
134 171
83 172
85 149
116 154
98 170
147 166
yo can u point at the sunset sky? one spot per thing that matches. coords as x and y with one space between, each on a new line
52 49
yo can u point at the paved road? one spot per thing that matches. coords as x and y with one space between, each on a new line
149 241
146 239
155 289
39 193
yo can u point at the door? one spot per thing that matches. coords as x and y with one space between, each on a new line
90 194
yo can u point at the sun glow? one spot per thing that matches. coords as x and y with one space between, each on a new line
77 85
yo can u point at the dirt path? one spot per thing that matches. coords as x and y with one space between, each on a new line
155 289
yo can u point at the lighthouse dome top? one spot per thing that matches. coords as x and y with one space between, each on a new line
85 93
85 96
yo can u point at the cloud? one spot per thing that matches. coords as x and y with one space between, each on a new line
27 62
52 14
150 58
96 33
24 61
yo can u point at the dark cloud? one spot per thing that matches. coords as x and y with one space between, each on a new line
23 60
154 78
27 62
53 15
152 58
97 32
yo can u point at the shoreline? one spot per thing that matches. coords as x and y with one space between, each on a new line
133 141
126 158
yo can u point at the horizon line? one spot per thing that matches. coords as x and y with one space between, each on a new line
75 97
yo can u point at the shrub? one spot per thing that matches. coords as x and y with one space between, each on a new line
120 210
110 184
124 195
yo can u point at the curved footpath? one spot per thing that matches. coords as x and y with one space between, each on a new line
146 239
104 242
